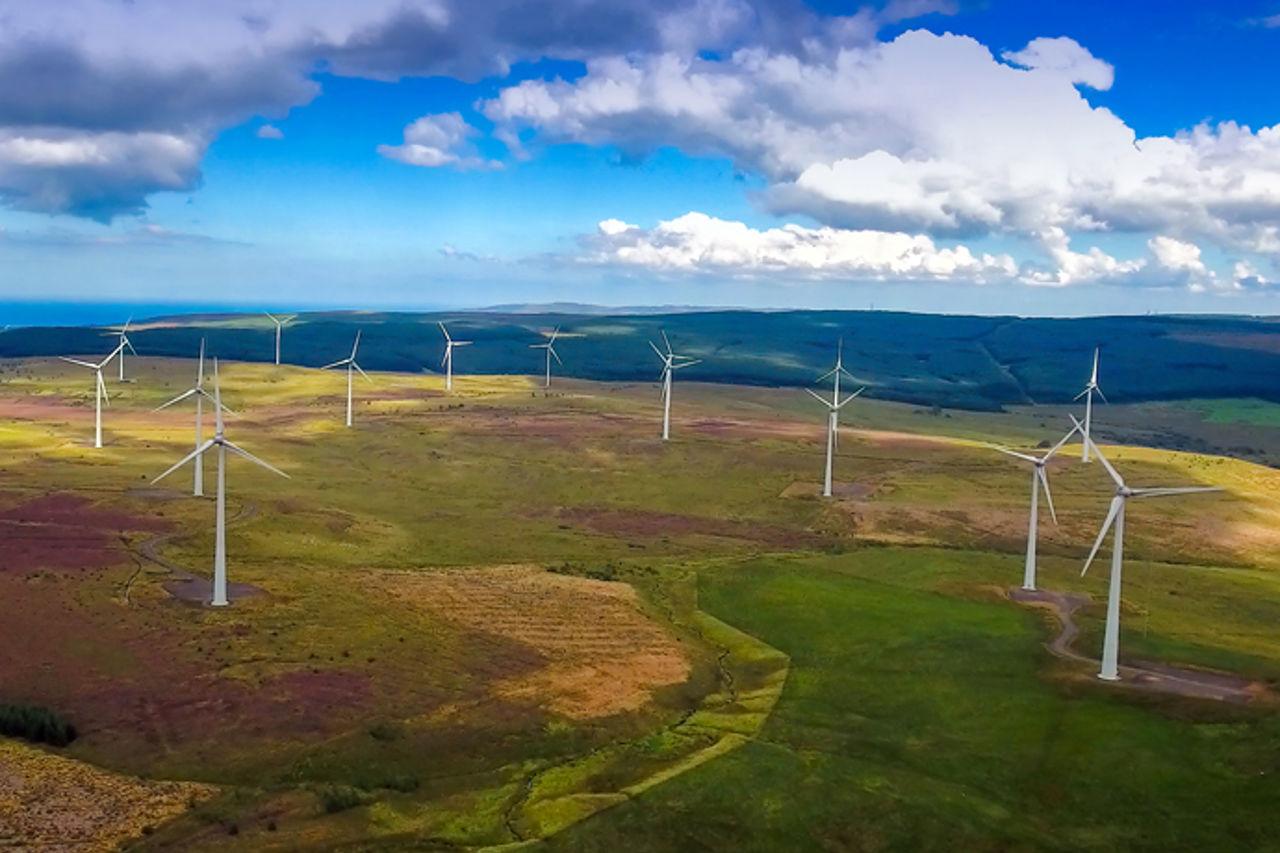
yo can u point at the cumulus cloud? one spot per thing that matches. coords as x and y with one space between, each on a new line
1064 56
696 243
928 133
270 131
443 139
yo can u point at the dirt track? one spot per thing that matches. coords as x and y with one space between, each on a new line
1140 675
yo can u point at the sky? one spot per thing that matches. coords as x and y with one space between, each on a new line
986 156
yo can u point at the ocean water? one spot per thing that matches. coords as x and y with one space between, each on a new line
100 313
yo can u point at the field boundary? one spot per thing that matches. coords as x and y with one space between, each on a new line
752 677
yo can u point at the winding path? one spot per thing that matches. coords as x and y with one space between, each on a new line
1138 675
182 584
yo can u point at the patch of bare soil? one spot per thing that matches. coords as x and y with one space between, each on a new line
64 531
848 491
1140 675
636 523
594 652
1255 341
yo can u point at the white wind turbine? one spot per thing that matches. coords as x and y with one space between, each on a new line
1039 480
447 361
219 441
201 395
550 347
100 389
670 363
350 363
1090 389
834 405
123 333
280 322
1115 518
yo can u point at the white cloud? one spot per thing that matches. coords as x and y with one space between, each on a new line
699 244
1064 56
443 139
926 133
270 131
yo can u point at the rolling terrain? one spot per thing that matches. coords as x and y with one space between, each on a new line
511 616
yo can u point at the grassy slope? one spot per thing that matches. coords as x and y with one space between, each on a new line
877 740
917 720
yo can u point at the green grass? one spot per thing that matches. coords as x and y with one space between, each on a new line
916 720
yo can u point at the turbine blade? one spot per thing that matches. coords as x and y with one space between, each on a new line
356 345
823 400
1081 394
1101 396
652 346
827 374
200 368
178 399
666 340
1052 450
443 329
1186 490
463 343
849 399
79 362
1116 503
1093 380
1015 454
1048 496
689 363
1106 463
130 344
247 455
337 363
216 402
361 372
102 386
192 455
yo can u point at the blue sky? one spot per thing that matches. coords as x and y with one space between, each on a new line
921 154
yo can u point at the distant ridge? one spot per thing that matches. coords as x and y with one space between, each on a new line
583 308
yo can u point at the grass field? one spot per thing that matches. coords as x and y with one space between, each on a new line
505 615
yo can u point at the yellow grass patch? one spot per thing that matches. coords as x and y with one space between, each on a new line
48 802
601 654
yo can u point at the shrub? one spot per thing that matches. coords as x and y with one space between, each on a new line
338 798
36 724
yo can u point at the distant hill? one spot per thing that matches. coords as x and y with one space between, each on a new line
959 361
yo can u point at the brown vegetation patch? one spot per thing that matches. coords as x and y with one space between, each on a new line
643 524
1256 341
52 803
64 531
848 491
594 652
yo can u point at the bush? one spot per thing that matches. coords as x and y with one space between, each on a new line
36 724
339 798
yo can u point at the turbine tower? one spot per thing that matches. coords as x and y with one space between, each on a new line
1090 389
447 361
123 333
201 395
1110 670
550 347
100 388
1039 480
834 405
350 363
219 441
670 363
280 324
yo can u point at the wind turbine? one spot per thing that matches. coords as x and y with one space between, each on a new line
280 324
447 362
350 363
670 363
100 389
550 347
1090 389
201 395
834 405
1115 518
219 441
123 332
1039 479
